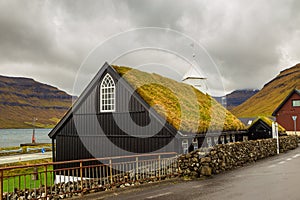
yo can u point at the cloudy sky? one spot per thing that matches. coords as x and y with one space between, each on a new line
249 42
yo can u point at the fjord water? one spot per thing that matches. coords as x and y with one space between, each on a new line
15 137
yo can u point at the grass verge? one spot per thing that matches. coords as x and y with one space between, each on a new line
22 178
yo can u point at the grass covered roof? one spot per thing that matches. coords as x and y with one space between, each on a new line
268 121
183 106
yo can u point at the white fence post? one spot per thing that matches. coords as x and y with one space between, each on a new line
275 134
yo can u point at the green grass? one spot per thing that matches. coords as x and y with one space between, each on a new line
24 163
39 125
183 106
269 122
23 180
17 147
269 98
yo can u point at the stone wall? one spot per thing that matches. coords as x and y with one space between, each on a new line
205 162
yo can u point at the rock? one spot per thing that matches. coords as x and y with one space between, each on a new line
206 171
194 174
202 162
188 156
127 184
205 160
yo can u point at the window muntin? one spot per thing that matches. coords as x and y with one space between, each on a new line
107 94
296 103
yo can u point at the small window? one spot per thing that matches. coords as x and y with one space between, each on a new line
195 143
228 138
296 103
208 140
216 140
185 146
233 138
222 139
107 94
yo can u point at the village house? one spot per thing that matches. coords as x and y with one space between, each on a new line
288 112
261 128
139 112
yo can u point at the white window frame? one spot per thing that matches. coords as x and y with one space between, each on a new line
296 103
107 94
228 138
233 138
209 142
185 146
195 143
216 140
222 139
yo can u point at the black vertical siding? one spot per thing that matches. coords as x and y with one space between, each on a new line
259 130
83 134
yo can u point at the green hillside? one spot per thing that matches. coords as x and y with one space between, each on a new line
183 106
273 93
22 99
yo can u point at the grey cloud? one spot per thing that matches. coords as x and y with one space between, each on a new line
251 41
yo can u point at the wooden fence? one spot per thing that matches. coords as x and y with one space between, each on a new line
65 179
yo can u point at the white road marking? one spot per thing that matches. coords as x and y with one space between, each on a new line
271 166
289 159
197 186
282 162
158 195
297 155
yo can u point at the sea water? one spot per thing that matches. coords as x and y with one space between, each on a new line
15 137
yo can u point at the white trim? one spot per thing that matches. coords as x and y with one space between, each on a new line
108 94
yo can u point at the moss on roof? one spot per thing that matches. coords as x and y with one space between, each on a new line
268 121
183 106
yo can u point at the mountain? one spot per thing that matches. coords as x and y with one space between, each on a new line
22 99
273 93
237 97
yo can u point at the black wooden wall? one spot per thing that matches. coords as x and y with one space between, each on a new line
259 130
89 133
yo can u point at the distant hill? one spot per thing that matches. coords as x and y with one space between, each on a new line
22 99
273 93
237 97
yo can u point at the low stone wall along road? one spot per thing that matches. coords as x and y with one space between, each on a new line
273 178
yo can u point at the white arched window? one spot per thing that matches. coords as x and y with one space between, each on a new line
107 94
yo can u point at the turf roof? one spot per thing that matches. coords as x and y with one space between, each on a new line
183 106
268 121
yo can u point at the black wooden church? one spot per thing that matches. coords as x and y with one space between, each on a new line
112 118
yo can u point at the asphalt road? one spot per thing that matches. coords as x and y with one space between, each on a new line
24 157
270 179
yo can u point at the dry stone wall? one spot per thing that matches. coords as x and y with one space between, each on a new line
205 162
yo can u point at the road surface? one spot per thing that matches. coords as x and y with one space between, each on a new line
24 157
270 179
